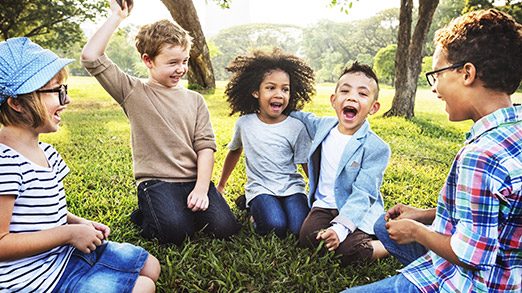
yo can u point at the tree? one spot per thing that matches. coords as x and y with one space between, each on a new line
408 60
384 64
242 39
410 49
200 75
53 24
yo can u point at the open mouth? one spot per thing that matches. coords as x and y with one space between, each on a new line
57 115
349 112
276 106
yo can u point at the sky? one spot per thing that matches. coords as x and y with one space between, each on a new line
298 12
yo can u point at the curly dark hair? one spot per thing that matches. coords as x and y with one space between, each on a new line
492 41
248 73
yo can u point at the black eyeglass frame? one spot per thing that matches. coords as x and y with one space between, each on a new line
431 73
61 90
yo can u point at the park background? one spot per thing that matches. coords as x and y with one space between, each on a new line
94 137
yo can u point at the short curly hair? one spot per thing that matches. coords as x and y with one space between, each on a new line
492 41
151 38
248 73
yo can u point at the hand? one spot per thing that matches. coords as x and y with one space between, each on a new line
330 238
121 7
404 231
102 228
85 238
197 201
400 211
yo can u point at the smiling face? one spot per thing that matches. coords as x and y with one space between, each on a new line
169 66
448 87
354 100
53 107
273 96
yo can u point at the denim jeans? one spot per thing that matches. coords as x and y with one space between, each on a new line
279 213
112 268
396 284
167 217
404 253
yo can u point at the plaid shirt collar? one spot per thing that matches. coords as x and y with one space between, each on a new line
493 120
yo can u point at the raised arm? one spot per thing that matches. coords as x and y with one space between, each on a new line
97 44
228 166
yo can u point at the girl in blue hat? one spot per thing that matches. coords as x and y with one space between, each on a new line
43 247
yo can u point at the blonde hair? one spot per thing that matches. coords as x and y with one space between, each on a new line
34 113
151 38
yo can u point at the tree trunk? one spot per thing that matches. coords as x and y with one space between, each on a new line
408 60
200 75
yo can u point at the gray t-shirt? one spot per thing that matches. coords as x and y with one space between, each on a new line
271 154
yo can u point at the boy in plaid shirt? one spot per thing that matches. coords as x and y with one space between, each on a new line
474 241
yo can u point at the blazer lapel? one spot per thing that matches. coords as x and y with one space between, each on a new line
352 147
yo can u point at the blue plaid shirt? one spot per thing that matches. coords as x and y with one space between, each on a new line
480 206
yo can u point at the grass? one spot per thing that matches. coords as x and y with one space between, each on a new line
94 140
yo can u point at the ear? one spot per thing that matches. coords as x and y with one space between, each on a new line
470 73
15 105
147 60
255 94
375 107
332 100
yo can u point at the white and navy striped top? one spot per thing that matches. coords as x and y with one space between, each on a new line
39 205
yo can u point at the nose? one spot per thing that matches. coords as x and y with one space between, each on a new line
67 99
181 68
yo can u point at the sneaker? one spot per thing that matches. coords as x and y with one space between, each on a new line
136 217
241 202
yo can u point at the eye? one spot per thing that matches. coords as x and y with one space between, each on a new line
363 94
270 87
344 91
286 89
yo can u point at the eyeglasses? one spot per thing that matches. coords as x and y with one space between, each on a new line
430 76
61 90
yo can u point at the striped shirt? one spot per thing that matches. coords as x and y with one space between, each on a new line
39 205
480 206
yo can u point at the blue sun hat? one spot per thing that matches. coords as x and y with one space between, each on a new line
26 67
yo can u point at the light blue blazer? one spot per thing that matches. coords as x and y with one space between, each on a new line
359 175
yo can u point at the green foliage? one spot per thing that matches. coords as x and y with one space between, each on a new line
121 50
241 40
385 64
53 24
94 140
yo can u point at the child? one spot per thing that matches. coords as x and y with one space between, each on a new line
173 142
264 88
346 168
474 242
44 248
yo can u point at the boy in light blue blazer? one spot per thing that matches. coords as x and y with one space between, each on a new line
346 167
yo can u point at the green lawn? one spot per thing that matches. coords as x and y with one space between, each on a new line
94 140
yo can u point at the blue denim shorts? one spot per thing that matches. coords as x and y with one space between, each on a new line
112 267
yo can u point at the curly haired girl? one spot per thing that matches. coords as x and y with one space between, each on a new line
264 89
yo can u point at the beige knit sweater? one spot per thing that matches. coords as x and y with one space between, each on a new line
168 125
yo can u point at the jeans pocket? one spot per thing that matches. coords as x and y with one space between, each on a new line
150 184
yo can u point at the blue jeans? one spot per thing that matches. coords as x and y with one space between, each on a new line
279 213
167 217
112 267
404 253
395 284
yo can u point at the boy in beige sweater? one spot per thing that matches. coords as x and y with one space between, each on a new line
172 139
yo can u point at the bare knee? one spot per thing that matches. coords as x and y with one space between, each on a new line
151 269
378 250
144 285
